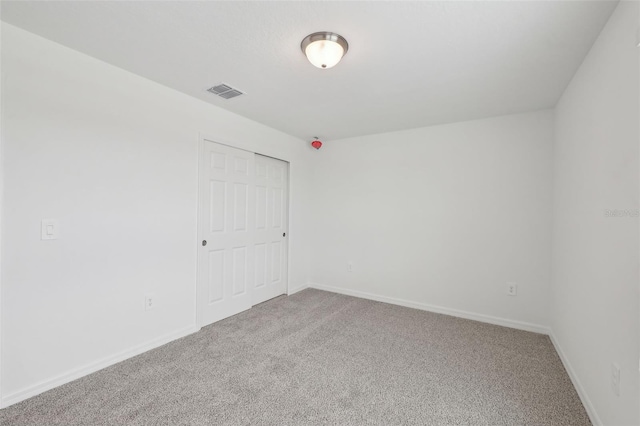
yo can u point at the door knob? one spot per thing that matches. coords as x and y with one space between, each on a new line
284 234
204 242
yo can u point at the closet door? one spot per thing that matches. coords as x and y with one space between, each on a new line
227 232
271 248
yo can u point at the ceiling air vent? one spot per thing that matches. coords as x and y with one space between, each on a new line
224 91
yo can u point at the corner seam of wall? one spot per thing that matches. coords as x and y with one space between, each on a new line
582 393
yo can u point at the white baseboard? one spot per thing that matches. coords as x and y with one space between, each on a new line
76 373
297 289
591 412
520 325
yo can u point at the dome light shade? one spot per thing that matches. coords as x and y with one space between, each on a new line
324 49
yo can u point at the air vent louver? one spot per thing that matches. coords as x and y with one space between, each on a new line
224 91
230 94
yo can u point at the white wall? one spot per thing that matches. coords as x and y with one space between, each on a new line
443 216
114 158
595 264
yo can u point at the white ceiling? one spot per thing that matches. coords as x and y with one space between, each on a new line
410 64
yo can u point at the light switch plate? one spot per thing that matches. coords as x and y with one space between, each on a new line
50 229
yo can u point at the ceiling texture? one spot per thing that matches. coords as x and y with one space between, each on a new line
409 64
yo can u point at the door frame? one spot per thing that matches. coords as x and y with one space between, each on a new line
202 140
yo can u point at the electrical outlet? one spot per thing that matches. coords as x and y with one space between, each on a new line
350 266
149 301
615 378
512 289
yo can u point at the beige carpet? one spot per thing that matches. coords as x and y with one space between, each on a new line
318 358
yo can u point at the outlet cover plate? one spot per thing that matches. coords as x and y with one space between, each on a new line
149 301
615 379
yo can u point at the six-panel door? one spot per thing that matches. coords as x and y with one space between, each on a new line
271 226
227 224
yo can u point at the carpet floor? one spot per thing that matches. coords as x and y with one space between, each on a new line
319 358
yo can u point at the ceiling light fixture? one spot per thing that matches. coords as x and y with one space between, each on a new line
324 49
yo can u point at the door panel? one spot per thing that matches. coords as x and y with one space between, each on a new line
271 219
216 275
261 265
239 270
261 208
240 195
276 259
217 204
227 207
